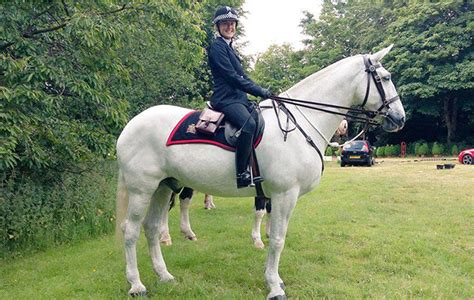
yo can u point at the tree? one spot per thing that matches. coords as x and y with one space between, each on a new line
279 68
433 60
70 70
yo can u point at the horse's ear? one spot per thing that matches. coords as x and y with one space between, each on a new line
376 57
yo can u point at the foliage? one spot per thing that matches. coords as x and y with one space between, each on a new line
380 151
70 71
392 150
329 151
36 216
71 75
432 61
437 149
454 150
423 149
279 68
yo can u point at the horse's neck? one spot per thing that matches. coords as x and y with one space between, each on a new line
336 85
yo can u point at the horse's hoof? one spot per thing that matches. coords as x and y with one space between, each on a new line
137 292
166 242
279 297
259 244
167 278
191 238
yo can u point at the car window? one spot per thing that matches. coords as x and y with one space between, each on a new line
356 146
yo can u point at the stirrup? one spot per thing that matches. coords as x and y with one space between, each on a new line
255 179
244 179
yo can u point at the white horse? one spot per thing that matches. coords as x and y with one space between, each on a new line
291 168
262 208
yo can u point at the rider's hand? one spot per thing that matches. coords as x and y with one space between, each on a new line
266 94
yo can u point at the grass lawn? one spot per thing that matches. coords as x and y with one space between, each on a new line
396 230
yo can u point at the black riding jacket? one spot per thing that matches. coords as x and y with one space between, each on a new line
230 82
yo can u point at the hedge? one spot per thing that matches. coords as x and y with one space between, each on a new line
79 206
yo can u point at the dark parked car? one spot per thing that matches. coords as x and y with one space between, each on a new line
357 153
466 157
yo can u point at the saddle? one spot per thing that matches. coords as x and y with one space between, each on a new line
223 135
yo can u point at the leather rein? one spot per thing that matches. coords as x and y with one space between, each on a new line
352 113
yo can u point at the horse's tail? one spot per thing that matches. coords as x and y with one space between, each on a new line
121 206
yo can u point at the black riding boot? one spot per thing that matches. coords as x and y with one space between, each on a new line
242 154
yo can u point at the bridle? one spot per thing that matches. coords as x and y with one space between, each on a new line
353 114
371 70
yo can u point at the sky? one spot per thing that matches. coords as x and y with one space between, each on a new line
275 22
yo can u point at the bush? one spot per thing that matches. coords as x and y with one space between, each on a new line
411 149
437 149
423 149
396 150
392 150
80 206
329 151
417 147
454 150
388 150
380 152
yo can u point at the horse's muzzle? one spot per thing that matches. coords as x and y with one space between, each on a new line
394 121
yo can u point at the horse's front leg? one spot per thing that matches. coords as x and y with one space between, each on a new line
268 207
282 207
184 202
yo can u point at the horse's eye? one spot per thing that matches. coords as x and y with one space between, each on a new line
386 78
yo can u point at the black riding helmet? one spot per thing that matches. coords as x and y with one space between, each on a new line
225 13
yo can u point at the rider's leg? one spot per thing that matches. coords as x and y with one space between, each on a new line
239 115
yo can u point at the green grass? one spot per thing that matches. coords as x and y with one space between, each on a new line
397 230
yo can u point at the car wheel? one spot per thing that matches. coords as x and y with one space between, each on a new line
343 164
467 159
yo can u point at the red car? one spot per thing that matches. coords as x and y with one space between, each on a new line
466 157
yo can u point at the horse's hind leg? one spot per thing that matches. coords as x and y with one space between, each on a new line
158 208
165 237
184 202
208 202
259 214
137 205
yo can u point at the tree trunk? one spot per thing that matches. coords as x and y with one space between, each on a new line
450 117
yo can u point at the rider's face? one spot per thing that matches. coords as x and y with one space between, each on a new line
227 28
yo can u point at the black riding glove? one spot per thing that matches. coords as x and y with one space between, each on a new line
266 94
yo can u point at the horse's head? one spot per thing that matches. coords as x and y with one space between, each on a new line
380 93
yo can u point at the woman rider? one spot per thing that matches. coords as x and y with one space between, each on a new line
231 86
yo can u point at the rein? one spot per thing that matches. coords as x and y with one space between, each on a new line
369 118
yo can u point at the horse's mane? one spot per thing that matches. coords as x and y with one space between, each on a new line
323 72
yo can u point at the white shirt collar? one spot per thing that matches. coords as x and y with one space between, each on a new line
228 41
